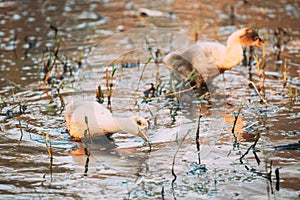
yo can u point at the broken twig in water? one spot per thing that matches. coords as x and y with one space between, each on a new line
163 193
198 136
109 86
21 131
236 144
277 179
87 141
253 149
86 166
155 55
263 68
269 177
99 95
173 163
262 100
50 152
284 74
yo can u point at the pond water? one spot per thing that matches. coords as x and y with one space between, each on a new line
53 52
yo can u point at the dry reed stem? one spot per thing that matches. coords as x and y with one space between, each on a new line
284 74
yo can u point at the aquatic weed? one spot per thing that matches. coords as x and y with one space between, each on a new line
198 135
262 99
284 74
174 161
99 95
47 140
236 144
282 37
87 141
143 70
56 64
109 87
293 96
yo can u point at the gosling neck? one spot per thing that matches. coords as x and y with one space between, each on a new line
113 125
123 124
233 54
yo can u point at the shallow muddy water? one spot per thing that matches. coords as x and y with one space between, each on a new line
75 42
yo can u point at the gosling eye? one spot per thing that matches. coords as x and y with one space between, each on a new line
248 30
139 122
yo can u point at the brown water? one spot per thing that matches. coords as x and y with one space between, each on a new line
127 168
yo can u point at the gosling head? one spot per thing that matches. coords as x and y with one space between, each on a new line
137 126
249 37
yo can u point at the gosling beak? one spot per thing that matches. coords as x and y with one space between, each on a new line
144 135
259 42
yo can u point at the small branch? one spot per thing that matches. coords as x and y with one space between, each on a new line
50 152
236 144
284 74
269 177
87 140
277 179
61 99
99 95
262 100
86 166
21 131
174 159
251 147
198 136
163 193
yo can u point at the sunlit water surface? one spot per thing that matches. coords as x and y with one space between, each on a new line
127 168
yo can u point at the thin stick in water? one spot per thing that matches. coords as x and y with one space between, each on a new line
277 179
87 140
162 192
284 74
251 147
174 159
50 152
262 100
236 144
21 131
86 166
198 136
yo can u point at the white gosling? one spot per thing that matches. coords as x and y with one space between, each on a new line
100 121
209 59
